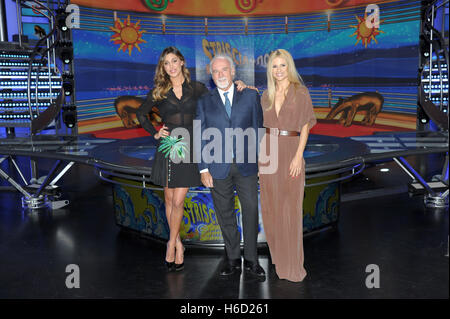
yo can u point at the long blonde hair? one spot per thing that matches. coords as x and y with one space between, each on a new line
293 75
162 79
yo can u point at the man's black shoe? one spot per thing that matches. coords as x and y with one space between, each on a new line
254 268
231 267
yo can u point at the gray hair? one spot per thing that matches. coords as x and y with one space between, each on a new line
221 56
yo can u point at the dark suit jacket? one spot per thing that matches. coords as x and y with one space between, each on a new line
246 112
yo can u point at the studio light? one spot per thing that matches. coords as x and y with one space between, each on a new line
65 51
66 55
68 88
424 46
61 17
422 116
69 116
67 84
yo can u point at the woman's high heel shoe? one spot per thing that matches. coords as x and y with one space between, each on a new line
169 264
179 267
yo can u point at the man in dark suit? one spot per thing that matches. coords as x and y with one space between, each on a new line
229 160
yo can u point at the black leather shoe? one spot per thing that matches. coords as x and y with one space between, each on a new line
231 267
254 268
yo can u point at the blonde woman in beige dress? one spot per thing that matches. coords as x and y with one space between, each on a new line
288 117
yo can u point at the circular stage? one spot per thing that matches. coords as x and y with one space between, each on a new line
139 205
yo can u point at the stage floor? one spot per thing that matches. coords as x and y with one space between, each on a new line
393 231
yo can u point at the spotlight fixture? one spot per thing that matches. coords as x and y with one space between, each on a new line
65 51
61 17
68 88
69 116
422 116
67 85
66 55
424 45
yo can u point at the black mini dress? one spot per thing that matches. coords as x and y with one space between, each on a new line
175 113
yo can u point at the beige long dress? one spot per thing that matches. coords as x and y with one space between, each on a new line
282 195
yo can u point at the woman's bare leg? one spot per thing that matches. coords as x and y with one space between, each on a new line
168 198
175 221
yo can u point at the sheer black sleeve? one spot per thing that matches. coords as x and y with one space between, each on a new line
143 111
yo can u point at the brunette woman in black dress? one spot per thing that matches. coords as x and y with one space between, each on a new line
175 95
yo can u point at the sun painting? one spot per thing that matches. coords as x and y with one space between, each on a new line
364 33
127 34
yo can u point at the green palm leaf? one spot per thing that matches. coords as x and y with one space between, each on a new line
173 147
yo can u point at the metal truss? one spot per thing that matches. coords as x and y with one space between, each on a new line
38 193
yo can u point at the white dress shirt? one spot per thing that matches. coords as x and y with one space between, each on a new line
230 94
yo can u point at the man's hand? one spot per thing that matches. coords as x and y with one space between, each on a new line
207 179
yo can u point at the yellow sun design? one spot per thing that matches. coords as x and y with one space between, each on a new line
364 33
127 34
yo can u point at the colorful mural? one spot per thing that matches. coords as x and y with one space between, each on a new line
144 210
210 8
340 55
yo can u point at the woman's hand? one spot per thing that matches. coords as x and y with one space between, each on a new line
296 166
163 132
240 85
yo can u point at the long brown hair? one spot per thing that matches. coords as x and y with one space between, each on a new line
162 79
293 75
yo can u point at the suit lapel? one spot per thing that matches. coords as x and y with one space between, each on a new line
218 102
236 97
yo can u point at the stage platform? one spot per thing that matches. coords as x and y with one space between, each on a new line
407 241
139 205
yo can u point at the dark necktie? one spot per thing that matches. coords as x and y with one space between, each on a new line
227 104
228 109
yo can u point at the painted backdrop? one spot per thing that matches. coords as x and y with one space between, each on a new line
345 64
